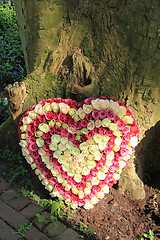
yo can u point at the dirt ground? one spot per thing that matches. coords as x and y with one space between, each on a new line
117 217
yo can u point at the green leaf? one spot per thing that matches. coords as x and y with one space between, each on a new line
54 207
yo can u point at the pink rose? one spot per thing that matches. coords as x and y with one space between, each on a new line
117 156
41 166
95 114
64 175
34 155
110 184
52 130
77 125
87 101
55 116
104 155
123 151
84 123
46 147
74 198
96 188
67 101
53 181
126 130
83 138
31 140
81 186
92 194
99 165
58 130
71 137
89 135
49 115
62 117
123 144
58 100
102 131
49 153
69 121
127 136
38 160
35 122
29 134
33 147
88 117
57 166
86 199
47 174
107 150
134 129
76 143
120 123
88 177
53 160
45 135
96 130
73 104
81 202
111 115
93 172
41 118
64 132
67 194
103 113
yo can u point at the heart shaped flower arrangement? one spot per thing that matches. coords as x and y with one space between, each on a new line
78 150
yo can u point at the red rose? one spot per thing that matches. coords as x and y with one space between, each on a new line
34 155
48 140
49 152
29 134
67 194
53 181
41 118
86 199
87 101
81 186
31 140
120 123
76 143
84 123
73 104
55 116
64 174
64 132
35 122
107 150
89 135
89 177
99 165
83 138
95 114
134 129
71 137
67 101
111 115
74 198
46 135
88 117
53 160
32 147
96 130
38 160
103 113
123 151
93 172
81 202
127 136
52 130
58 100
49 115
58 130
96 188
77 125
70 122
62 117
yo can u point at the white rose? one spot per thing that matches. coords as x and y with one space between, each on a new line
38 133
72 111
85 171
24 128
60 179
105 189
121 112
106 122
84 131
113 106
33 114
39 142
41 151
88 205
33 166
97 155
133 141
64 108
49 187
116 148
44 127
27 120
54 172
81 194
94 200
77 178
118 141
127 119
81 113
55 106
104 103
95 181
47 107
62 147
101 175
69 145
39 109
87 108
97 138
96 104
53 146
87 191
29 159
23 143
55 138
100 195
49 165
25 151
110 156
102 146
45 159
113 126
57 154
117 133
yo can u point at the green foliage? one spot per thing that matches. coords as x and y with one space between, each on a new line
91 53
84 229
22 229
15 167
12 65
4 114
146 236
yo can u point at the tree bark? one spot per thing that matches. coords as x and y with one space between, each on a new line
87 48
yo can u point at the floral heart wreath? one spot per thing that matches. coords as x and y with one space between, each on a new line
78 150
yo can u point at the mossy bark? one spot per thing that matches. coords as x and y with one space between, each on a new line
89 48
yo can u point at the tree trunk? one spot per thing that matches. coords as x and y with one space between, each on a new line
86 48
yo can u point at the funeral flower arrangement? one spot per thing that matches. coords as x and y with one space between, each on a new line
78 150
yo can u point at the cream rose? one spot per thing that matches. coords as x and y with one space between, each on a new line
39 142
23 143
98 123
81 113
38 133
127 119
53 146
96 104
64 108
113 106
55 138
106 122
113 126
62 147
55 107
41 151
77 178
27 120
133 141
39 109
90 125
47 107
52 123
57 154
72 111
87 108
25 151
44 127
105 189
45 159
29 159
95 181
104 103
24 128
118 141
88 205
33 114
121 112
